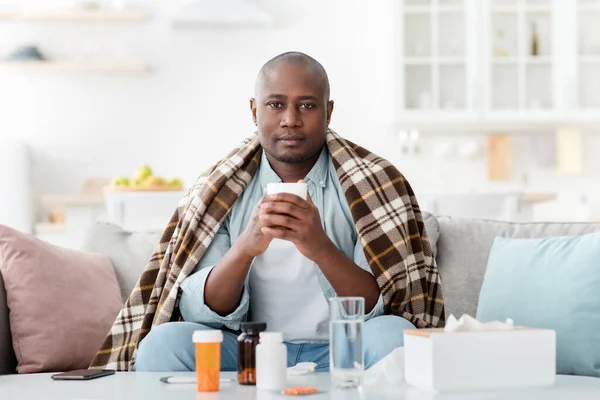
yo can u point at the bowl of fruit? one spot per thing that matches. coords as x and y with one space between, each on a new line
144 180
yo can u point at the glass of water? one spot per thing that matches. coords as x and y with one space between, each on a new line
346 354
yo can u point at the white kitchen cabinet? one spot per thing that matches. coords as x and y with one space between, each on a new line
476 61
142 211
517 62
435 42
588 55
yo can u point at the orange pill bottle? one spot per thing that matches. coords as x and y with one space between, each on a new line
208 359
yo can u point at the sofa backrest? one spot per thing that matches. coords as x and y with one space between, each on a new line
463 248
129 252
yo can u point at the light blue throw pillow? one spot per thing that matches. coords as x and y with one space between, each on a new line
549 283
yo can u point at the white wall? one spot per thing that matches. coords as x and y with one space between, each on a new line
194 105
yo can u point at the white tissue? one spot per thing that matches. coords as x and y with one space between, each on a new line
387 371
466 323
303 368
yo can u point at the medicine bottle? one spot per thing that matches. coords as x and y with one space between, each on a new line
208 359
247 343
271 362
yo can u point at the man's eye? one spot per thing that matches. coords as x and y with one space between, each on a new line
307 105
275 104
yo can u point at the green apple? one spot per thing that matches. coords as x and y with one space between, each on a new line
143 172
175 182
120 181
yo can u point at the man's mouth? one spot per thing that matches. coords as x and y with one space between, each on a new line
291 140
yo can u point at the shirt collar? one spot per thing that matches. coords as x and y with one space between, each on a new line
317 174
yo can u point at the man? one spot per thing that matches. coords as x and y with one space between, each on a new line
278 258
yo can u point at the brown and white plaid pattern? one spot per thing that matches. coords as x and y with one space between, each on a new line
385 210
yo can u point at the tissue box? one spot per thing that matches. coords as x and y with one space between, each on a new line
449 361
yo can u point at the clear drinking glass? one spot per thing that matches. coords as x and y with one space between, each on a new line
346 354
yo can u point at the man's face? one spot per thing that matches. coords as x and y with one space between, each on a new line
291 113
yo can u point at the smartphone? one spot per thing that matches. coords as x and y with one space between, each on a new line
83 374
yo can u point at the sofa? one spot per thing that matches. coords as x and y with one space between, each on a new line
461 247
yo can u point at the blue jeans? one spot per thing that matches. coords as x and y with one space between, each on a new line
169 347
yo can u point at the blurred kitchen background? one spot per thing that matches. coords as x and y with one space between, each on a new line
491 108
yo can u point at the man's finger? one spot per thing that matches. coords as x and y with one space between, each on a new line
278 220
283 208
261 201
288 197
262 230
278 233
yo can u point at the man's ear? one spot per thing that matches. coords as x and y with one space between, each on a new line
329 110
253 109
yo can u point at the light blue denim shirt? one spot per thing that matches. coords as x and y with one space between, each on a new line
326 193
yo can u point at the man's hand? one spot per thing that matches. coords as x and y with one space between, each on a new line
289 217
253 241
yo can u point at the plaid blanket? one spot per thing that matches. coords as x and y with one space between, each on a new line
388 221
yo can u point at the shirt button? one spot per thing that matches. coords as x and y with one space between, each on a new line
321 183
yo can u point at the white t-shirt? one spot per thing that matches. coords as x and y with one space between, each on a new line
286 294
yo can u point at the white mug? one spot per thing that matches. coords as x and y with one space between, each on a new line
299 189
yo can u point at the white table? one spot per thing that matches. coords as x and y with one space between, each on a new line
146 386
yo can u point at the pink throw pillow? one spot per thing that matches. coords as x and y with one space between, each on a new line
62 302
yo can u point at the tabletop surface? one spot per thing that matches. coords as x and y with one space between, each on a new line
147 386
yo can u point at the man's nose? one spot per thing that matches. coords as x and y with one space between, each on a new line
291 117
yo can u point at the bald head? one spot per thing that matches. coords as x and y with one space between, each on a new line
294 58
291 110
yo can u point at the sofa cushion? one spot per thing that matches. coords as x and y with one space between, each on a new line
62 302
464 246
129 252
433 230
549 283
